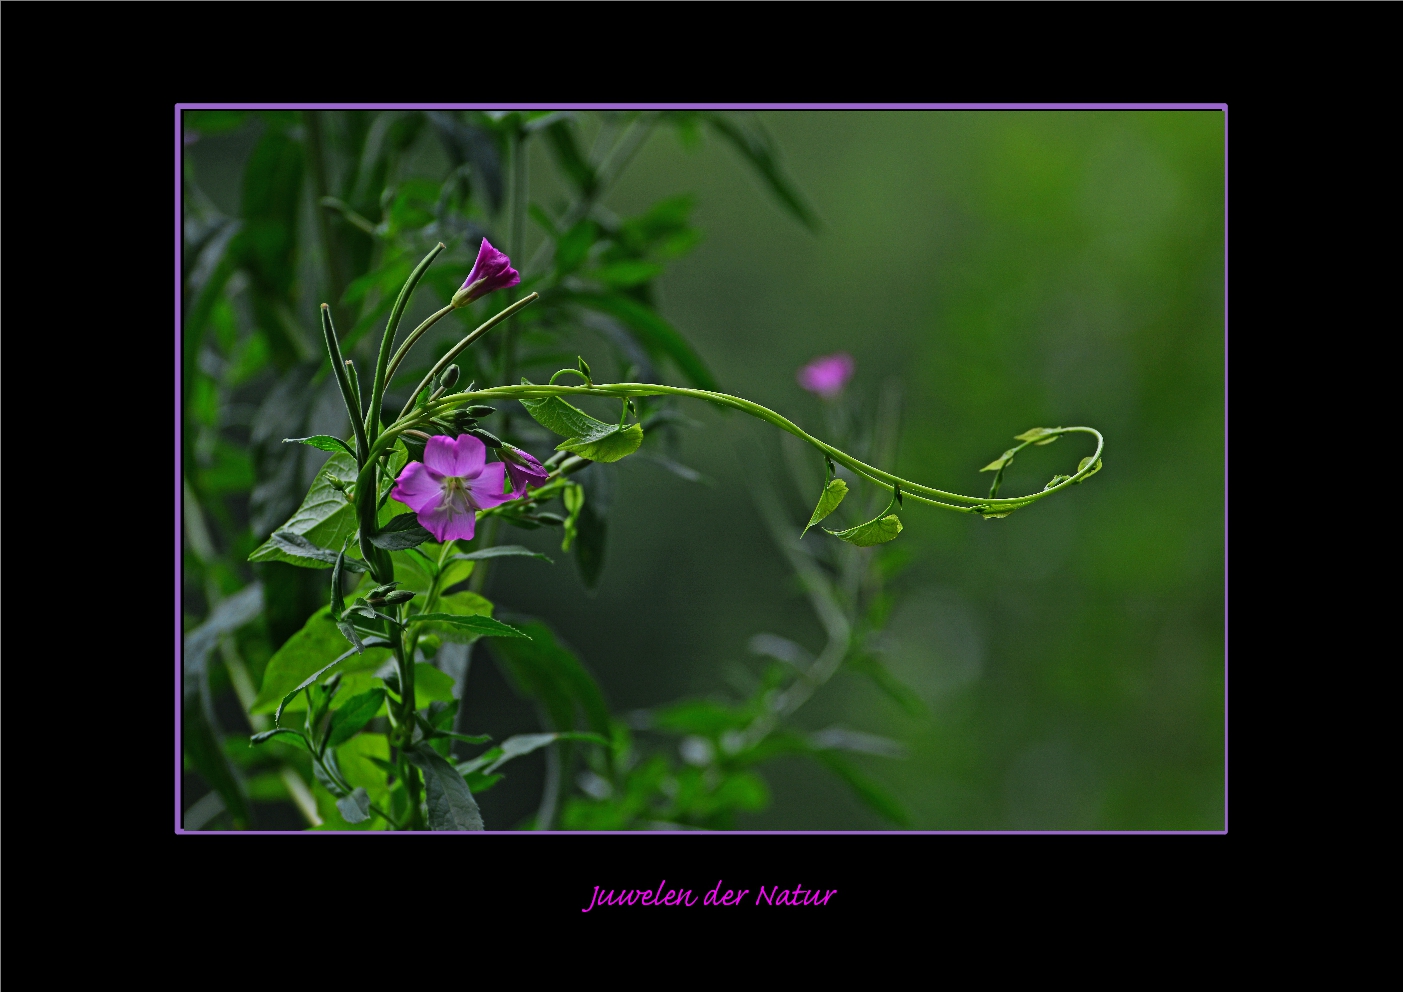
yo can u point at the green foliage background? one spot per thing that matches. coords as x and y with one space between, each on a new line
1007 270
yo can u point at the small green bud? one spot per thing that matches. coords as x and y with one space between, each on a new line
399 596
480 411
450 376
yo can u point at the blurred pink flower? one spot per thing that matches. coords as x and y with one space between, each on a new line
827 374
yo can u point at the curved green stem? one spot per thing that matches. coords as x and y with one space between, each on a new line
377 388
458 348
913 490
414 336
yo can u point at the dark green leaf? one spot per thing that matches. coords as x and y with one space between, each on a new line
502 551
591 538
866 790
323 441
754 144
450 803
543 669
270 734
354 715
401 533
297 546
324 520
313 649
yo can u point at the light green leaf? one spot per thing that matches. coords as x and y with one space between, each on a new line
555 415
878 531
1005 459
828 501
431 685
357 760
616 443
325 518
314 647
450 803
323 441
454 571
522 744
1083 464
1039 432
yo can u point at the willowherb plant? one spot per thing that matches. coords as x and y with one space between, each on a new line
420 484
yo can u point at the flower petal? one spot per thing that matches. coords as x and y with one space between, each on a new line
418 487
487 489
463 457
447 522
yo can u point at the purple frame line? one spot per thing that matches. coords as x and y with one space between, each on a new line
178 494
700 106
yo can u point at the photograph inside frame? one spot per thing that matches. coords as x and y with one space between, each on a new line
702 470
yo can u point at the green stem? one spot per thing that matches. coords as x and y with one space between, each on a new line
458 349
377 388
913 490
414 336
338 367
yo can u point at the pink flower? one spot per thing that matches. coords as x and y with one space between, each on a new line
827 374
522 468
492 271
450 485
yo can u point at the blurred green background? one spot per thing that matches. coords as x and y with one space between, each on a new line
1007 270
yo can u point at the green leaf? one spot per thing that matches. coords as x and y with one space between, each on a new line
431 685
325 519
450 803
401 533
359 758
754 145
559 417
878 531
1056 480
481 626
828 501
353 715
501 551
307 554
462 604
591 536
543 669
1083 464
616 443
1005 459
653 332
1038 432
323 441
314 648
522 744
355 808
270 734
870 793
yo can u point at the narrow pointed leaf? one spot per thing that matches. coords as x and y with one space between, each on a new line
482 626
268 735
502 551
323 441
353 716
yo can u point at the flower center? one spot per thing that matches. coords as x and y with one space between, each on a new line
456 495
